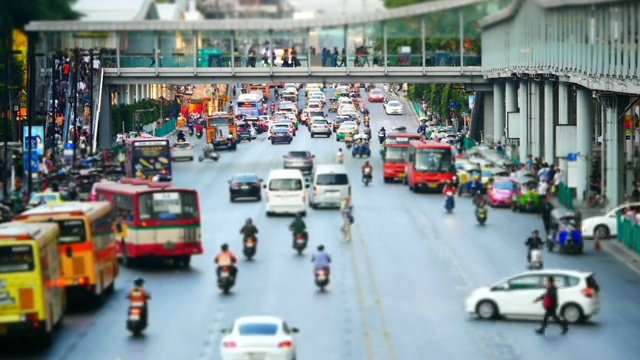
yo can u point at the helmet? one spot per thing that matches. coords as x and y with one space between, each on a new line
340 149
535 232
224 247
320 247
249 221
366 162
138 282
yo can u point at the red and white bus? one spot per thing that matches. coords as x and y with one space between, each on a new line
396 153
154 219
430 165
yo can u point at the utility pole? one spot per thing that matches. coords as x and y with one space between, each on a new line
76 98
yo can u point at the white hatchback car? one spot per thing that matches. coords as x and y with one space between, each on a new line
259 337
578 296
605 226
182 150
393 108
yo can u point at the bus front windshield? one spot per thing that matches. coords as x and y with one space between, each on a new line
72 231
16 258
396 154
168 206
433 160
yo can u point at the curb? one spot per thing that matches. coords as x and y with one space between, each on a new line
622 254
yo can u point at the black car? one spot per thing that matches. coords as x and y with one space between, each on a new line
245 186
244 131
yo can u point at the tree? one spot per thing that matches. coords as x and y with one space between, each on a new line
15 15
443 30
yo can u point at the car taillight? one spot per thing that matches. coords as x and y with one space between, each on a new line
31 317
229 344
267 197
304 196
588 292
190 147
235 185
315 191
285 345
164 172
256 184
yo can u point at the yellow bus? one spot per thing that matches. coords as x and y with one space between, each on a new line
31 299
87 244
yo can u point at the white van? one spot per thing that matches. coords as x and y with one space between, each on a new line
285 192
330 184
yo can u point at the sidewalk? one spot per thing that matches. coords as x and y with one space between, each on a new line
611 246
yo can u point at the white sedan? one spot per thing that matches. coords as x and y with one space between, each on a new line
182 150
578 295
605 226
259 337
393 108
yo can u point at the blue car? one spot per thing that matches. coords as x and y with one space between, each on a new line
281 135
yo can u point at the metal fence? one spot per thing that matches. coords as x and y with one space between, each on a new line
566 195
166 128
629 233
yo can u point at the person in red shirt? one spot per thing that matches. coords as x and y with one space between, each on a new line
448 188
226 258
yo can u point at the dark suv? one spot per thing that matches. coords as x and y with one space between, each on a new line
301 160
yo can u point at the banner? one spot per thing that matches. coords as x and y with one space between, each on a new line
37 138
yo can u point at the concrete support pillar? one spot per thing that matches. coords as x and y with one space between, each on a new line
511 96
535 139
563 119
614 141
584 130
549 136
488 135
499 113
523 99
138 95
128 99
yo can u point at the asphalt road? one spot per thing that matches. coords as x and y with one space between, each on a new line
397 289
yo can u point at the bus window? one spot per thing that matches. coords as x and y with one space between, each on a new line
72 231
168 205
16 258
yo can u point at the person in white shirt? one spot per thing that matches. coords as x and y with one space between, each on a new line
543 187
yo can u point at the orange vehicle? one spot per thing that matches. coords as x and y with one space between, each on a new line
430 165
262 87
222 131
395 155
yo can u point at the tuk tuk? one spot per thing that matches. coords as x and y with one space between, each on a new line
333 105
361 147
525 196
470 180
493 173
565 233
340 94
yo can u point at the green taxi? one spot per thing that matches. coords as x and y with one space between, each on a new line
346 131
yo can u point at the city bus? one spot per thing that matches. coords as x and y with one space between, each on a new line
148 157
222 131
431 164
31 300
396 150
87 245
154 220
250 105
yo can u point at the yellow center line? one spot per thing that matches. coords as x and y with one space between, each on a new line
363 317
376 294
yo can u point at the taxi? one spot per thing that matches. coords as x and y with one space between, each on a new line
345 109
49 198
347 129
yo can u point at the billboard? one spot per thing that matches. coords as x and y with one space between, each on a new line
37 138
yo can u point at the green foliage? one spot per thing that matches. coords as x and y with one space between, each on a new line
438 96
390 4
126 113
16 14
17 72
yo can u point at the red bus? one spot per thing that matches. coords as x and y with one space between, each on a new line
396 151
430 165
154 219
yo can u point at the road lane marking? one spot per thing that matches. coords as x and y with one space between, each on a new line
360 292
376 295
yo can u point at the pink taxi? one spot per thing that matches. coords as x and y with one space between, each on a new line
501 192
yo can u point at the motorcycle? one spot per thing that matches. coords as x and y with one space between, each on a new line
366 176
481 215
225 280
449 201
535 262
190 131
137 319
300 242
249 248
208 152
322 278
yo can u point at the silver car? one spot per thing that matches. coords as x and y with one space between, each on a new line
182 150
320 126
301 160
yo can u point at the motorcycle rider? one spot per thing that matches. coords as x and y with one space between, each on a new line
448 187
533 243
382 134
367 132
138 297
367 170
226 258
480 203
181 136
298 227
249 230
340 156
190 126
199 128
321 260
